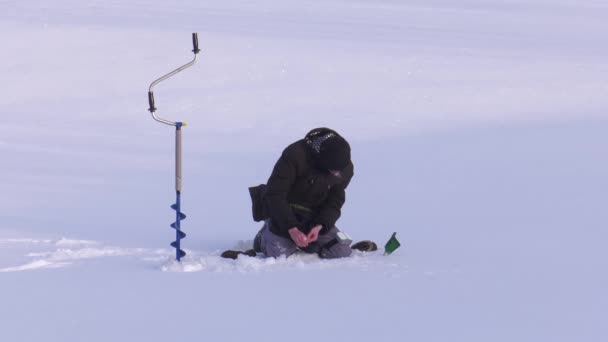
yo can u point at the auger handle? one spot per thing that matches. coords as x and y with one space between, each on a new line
152 109
195 43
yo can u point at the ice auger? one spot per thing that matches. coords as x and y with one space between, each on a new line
179 216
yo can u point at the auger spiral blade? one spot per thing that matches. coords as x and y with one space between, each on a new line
179 234
181 215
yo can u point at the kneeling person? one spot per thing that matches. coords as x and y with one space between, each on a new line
303 198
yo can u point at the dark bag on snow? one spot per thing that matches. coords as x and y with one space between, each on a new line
258 205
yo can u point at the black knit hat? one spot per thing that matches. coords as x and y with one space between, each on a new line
332 151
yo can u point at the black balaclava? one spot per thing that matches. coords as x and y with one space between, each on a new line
331 151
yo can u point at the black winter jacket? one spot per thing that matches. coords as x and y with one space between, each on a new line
300 195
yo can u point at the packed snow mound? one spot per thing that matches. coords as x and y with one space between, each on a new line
65 252
245 264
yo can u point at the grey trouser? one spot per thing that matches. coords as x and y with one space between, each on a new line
273 245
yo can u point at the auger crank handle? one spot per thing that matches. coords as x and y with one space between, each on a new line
195 43
152 109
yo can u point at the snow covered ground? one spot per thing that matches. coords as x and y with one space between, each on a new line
478 131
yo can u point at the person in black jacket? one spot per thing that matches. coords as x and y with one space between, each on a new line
303 198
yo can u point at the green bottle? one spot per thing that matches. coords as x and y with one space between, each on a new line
391 245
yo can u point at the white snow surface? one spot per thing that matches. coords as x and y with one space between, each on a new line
478 130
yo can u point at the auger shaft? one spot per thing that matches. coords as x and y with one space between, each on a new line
179 216
178 157
178 192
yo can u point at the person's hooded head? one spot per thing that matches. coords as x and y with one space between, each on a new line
331 151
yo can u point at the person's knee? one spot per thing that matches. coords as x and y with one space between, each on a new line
337 251
275 249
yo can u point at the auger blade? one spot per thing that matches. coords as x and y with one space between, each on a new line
179 252
174 207
181 216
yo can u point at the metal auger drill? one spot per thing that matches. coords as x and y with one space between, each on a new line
179 216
